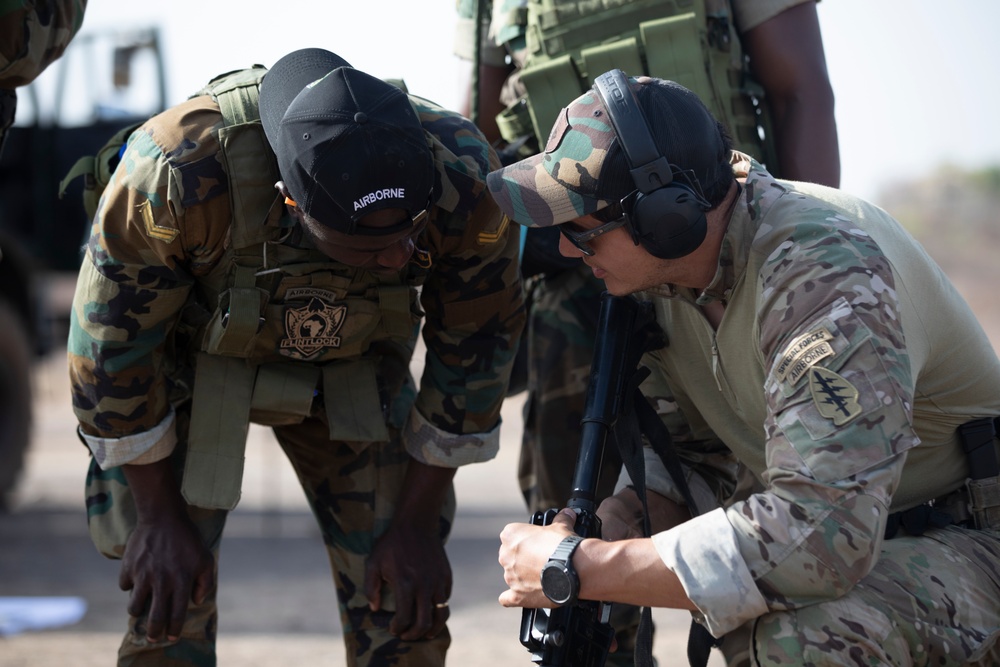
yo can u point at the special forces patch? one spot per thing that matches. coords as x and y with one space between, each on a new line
311 328
802 353
835 397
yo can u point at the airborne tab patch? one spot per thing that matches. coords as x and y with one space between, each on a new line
802 353
835 397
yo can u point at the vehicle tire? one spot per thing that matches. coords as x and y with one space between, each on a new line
15 398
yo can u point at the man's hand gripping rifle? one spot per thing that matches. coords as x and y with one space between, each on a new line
577 634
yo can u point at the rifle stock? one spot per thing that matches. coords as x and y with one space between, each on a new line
578 634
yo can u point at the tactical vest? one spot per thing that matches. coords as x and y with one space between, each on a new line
290 325
277 327
693 42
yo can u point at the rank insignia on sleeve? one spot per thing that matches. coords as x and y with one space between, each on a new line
835 397
154 230
421 258
488 238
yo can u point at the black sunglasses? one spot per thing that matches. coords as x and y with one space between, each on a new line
612 216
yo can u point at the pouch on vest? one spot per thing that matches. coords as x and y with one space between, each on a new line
673 46
217 437
355 409
283 393
321 318
240 315
692 42
515 126
623 54
550 86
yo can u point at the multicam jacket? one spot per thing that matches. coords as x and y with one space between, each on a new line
163 235
838 375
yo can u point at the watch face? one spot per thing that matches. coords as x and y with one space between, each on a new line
557 583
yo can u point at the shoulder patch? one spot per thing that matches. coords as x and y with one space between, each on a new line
835 397
806 350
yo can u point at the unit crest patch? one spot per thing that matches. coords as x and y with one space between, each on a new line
835 397
311 328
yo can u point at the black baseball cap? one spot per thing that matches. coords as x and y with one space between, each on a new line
347 143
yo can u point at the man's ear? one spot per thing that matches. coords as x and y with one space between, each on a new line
291 206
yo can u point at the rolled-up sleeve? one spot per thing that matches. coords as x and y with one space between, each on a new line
473 306
162 221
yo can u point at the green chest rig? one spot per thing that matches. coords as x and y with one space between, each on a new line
289 328
693 42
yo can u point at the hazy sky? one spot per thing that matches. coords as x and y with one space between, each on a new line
915 80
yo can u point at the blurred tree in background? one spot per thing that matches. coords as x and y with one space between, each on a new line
953 214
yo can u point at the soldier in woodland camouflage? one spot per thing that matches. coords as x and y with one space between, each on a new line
819 374
272 262
33 34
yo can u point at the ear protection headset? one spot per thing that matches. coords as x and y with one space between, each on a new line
666 217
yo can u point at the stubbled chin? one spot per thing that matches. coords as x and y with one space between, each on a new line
619 291
601 275
615 287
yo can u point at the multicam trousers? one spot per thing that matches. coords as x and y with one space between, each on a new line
930 600
351 488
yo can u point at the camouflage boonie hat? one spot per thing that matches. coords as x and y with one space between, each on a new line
583 168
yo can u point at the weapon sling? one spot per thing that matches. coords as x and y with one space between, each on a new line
578 634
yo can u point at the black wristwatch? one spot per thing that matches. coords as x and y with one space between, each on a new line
560 582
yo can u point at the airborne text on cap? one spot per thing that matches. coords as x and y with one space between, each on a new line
384 193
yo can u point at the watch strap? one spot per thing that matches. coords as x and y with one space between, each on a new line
564 552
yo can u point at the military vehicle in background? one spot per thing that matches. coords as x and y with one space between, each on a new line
104 81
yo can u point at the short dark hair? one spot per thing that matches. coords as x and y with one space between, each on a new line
720 179
687 151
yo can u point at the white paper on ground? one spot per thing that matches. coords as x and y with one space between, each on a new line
21 614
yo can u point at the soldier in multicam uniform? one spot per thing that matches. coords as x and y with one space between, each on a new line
32 36
785 50
825 379
277 271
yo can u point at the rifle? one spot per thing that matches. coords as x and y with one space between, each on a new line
578 634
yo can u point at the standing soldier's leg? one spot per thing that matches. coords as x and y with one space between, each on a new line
352 488
111 518
562 327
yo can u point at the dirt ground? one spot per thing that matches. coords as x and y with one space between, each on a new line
276 600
